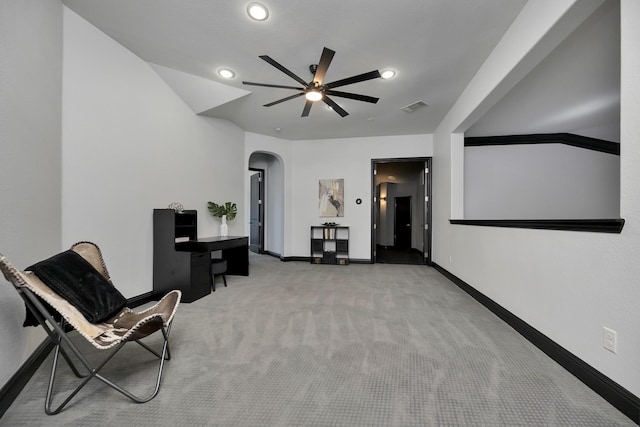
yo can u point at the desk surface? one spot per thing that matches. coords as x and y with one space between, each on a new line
219 238
215 243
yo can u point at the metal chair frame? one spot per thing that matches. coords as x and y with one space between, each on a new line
131 326
58 335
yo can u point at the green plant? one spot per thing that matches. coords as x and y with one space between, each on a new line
229 209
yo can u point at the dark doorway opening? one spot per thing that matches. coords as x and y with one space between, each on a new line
401 211
256 212
402 223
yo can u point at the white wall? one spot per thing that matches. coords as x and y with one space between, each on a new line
349 159
568 285
540 181
130 145
30 167
418 214
575 89
306 162
384 230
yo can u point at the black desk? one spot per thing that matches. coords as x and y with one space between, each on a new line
235 249
187 265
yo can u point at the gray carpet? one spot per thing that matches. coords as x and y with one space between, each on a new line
297 344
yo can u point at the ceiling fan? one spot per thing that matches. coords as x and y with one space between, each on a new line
316 90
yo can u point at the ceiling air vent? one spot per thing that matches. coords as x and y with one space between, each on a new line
414 107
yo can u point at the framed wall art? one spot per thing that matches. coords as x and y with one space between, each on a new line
331 197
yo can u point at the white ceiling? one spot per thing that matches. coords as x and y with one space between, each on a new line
436 46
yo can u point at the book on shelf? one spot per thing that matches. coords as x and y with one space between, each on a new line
329 233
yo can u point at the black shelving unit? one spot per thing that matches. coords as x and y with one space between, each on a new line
329 244
185 223
176 269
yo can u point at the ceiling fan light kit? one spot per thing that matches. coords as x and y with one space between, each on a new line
313 95
317 90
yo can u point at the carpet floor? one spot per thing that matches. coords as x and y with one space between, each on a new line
296 344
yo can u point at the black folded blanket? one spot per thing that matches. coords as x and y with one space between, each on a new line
74 279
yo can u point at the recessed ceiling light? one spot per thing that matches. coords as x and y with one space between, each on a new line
391 178
257 11
226 73
387 74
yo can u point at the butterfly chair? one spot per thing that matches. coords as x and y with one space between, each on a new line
73 290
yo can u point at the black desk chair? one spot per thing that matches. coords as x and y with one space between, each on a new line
218 268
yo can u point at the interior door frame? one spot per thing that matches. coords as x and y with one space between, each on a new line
261 215
428 202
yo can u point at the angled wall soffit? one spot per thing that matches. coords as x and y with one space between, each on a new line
199 93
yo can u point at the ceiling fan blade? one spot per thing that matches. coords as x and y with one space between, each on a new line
307 108
283 99
354 79
323 65
355 96
269 85
338 109
283 69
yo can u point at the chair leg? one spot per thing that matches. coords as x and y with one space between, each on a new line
53 335
164 356
158 355
59 337
95 372
63 345
218 268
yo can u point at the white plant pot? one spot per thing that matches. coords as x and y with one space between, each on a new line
224 228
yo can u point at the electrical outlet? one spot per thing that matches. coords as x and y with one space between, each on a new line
610 339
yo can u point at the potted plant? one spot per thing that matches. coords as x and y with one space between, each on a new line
226 211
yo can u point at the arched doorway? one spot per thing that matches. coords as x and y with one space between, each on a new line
266 203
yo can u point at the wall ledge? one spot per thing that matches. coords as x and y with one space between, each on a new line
613 225
573 140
